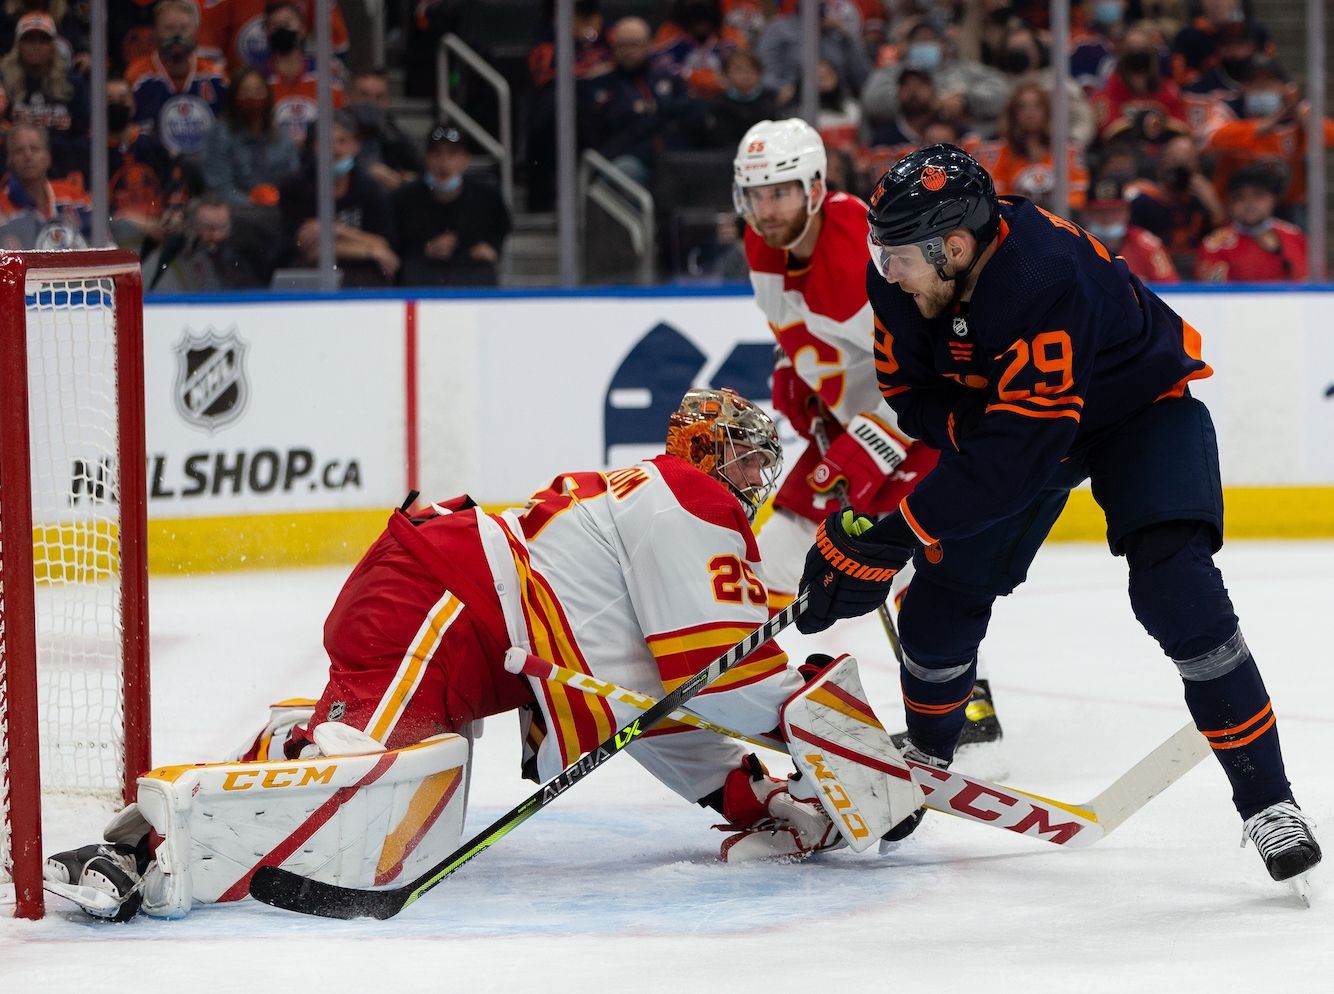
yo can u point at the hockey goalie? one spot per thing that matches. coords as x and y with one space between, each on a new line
639 577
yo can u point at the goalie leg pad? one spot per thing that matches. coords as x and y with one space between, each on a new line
839 746
361 821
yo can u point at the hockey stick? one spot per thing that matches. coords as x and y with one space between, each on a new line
293 892
1073 826
841 493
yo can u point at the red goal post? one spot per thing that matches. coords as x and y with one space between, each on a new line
74 702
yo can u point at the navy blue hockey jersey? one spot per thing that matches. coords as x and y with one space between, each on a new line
1058 342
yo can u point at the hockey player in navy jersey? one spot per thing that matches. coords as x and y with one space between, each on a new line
1014 342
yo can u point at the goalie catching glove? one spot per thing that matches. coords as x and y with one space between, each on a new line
772 818
851 566
859 460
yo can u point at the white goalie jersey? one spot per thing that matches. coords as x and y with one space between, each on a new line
671 582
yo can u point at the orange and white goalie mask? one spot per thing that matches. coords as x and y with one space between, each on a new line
726 436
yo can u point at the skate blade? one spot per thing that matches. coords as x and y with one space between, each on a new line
1301 887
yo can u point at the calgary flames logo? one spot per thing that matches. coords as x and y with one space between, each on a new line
933 178
877 193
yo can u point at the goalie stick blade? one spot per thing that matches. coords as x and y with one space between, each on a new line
289 891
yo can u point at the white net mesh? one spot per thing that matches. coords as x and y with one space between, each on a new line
73 420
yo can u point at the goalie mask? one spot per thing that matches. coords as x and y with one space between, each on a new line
730 439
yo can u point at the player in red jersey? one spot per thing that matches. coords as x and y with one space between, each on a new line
807 253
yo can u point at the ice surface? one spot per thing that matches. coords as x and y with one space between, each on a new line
618 884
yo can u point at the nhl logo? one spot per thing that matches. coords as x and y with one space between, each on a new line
960 326
211 386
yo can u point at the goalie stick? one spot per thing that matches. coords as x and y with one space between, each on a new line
283 889
1073 826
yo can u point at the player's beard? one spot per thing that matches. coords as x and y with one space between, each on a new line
941 297
781 239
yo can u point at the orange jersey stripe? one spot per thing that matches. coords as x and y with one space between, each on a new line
1032 414
923 536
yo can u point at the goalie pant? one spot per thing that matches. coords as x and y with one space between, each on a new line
823 324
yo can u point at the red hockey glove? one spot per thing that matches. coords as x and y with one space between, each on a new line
769 820
860 460
793 398
849 571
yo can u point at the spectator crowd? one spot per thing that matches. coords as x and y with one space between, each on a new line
1186 153
1187 137
210 109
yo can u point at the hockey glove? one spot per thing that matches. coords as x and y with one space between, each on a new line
849 569
859 460
793 398
769 819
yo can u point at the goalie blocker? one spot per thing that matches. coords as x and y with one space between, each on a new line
356 815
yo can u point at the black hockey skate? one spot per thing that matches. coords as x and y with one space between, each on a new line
980 722
102 878
1282 835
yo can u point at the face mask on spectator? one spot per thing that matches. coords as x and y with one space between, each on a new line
369 116
283 40
1107 12
743 97
1107 232
1016 62
1178 178
176 47
118 116
923 55
343 166
1138 62
1262 103
1254 230
447 185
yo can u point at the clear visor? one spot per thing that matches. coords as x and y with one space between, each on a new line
748 201
897 263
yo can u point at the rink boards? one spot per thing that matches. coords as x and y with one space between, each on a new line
282 429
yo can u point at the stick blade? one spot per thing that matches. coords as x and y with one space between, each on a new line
279 888
1148 778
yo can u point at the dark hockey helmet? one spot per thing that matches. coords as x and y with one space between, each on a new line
929 193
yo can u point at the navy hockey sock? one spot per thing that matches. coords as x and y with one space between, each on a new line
1228 700
940 631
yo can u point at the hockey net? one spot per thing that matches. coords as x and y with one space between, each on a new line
73 572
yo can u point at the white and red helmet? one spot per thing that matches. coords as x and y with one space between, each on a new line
779 152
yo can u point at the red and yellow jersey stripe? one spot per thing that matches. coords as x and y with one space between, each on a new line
683 653
578 721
